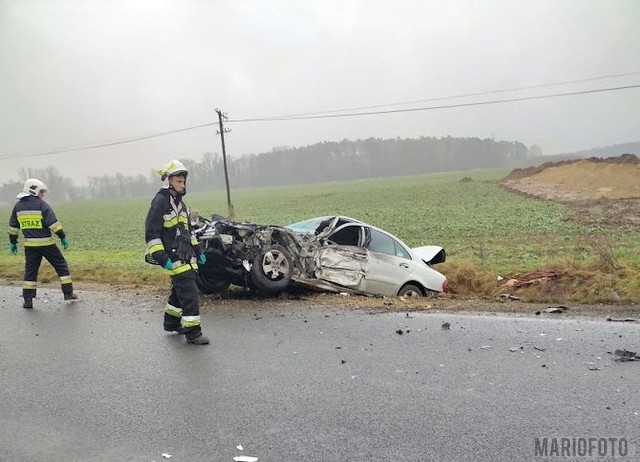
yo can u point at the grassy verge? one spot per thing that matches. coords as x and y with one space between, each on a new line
488 233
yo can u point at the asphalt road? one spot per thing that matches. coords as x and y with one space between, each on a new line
98 380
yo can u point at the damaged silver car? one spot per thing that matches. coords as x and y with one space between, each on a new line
331 253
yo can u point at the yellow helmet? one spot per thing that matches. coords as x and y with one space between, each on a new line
171 168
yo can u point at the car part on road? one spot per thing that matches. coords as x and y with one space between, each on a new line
609 318
625 355
556 309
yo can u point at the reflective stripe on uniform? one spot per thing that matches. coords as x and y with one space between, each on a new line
190 321
174 221
29 284
13 231
38 241
194 240
29 212
57 226
65 280
155 245
173 310
182 268
171 219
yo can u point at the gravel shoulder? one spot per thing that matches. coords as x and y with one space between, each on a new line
237 300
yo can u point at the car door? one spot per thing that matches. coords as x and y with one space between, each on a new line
343 259
388 266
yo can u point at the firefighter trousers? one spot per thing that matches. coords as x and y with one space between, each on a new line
183 306
33 258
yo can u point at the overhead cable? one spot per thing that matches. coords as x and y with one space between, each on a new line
464 95
430 108
86 146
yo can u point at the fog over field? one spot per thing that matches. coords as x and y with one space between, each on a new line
77 72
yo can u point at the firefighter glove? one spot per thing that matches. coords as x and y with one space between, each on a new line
13 248
202 259
168 265
65 243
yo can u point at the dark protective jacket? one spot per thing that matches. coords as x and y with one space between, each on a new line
35 218
169 234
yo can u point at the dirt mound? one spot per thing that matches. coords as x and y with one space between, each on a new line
582 179
598 190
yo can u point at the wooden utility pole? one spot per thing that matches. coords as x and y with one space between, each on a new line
221 132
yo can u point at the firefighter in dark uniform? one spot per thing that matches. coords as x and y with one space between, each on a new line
37 221
170 243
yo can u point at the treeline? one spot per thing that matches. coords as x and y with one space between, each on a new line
320 162
374 158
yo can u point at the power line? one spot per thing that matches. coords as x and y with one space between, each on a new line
429 108
464 95
87 146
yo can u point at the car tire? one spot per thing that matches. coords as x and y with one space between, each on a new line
410 290
211 284
272 270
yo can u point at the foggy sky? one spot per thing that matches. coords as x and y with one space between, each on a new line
87 71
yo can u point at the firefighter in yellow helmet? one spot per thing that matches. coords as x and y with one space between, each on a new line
171 244
37 221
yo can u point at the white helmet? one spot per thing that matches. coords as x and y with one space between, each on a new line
171 168
32 187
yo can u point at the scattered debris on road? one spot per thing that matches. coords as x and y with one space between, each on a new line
609 318
446 325
625 355
556 309
505 297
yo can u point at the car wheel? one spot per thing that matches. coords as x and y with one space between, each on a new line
271 271
211 284
410 290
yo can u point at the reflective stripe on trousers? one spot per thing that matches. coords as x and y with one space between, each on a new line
33 259
185 296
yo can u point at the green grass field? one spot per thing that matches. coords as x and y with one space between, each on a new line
486 230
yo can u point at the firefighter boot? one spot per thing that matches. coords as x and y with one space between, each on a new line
197 339
70 296
28 303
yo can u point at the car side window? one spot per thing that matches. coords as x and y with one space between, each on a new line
401 252
381 243
349 235
386 244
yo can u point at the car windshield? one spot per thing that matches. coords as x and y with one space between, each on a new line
307 226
